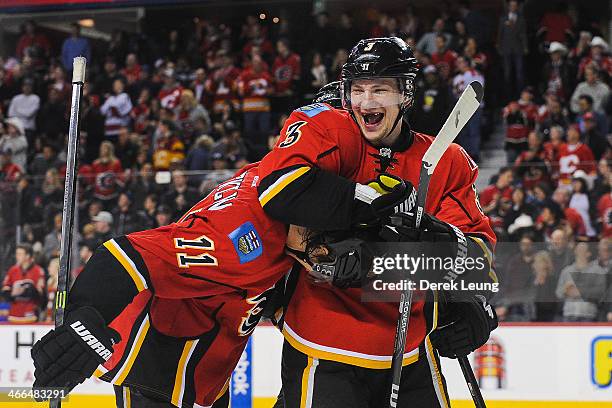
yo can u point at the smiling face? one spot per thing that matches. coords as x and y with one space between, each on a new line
376 105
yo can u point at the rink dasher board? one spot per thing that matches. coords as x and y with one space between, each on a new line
535 363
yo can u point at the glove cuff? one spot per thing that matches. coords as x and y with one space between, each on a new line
88 327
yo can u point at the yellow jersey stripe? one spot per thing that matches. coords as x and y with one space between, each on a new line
436 376
305 375
179 379
488 255
129 362
225 387
280 184
127 397
344 356
100 371
126 262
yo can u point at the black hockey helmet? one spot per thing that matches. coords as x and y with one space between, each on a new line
385 57
330 94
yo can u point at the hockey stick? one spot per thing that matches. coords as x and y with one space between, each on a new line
78 78
466 106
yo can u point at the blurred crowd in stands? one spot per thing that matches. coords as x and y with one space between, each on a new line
164 121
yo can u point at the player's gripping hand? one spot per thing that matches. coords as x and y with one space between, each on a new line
397 196
69 354
472 322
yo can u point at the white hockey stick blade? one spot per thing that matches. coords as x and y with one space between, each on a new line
466 106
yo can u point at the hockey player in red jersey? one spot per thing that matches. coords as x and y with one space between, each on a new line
165 314
317 176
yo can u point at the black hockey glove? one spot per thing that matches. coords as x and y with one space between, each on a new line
398 196
69 354
334 258
344 264
472 322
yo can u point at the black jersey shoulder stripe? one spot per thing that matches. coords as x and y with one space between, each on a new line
327 152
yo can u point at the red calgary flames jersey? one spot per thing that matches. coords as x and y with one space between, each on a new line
202 283
318 136
575 157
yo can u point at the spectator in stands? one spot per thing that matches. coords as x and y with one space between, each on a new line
103 223
15 142
85 252
148 212
198 157
143 184
550 218
127 147
443 58
56 79
519 119
255 85
581 203
432 103
427 43
170 94
520 206
231 145
180 196
53 239
163 216
52 121
286 72
512 45
104 81
23 286
108 175
530 166
316 76
52 194
188 112
516 303
585 107
9 171
125 218
132 72
221 82
52 273
593 87
551 114
502 187
32 43
560 250
593 137
562 197
25 107
479 59
582 285
469 137
558 73
75 46
168 147
545 283
574 155
116 109
86 217
598 57
339 60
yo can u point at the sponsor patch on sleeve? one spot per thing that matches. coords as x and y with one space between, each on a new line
247 242
313 109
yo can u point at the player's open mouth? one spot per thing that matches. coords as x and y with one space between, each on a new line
372 120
